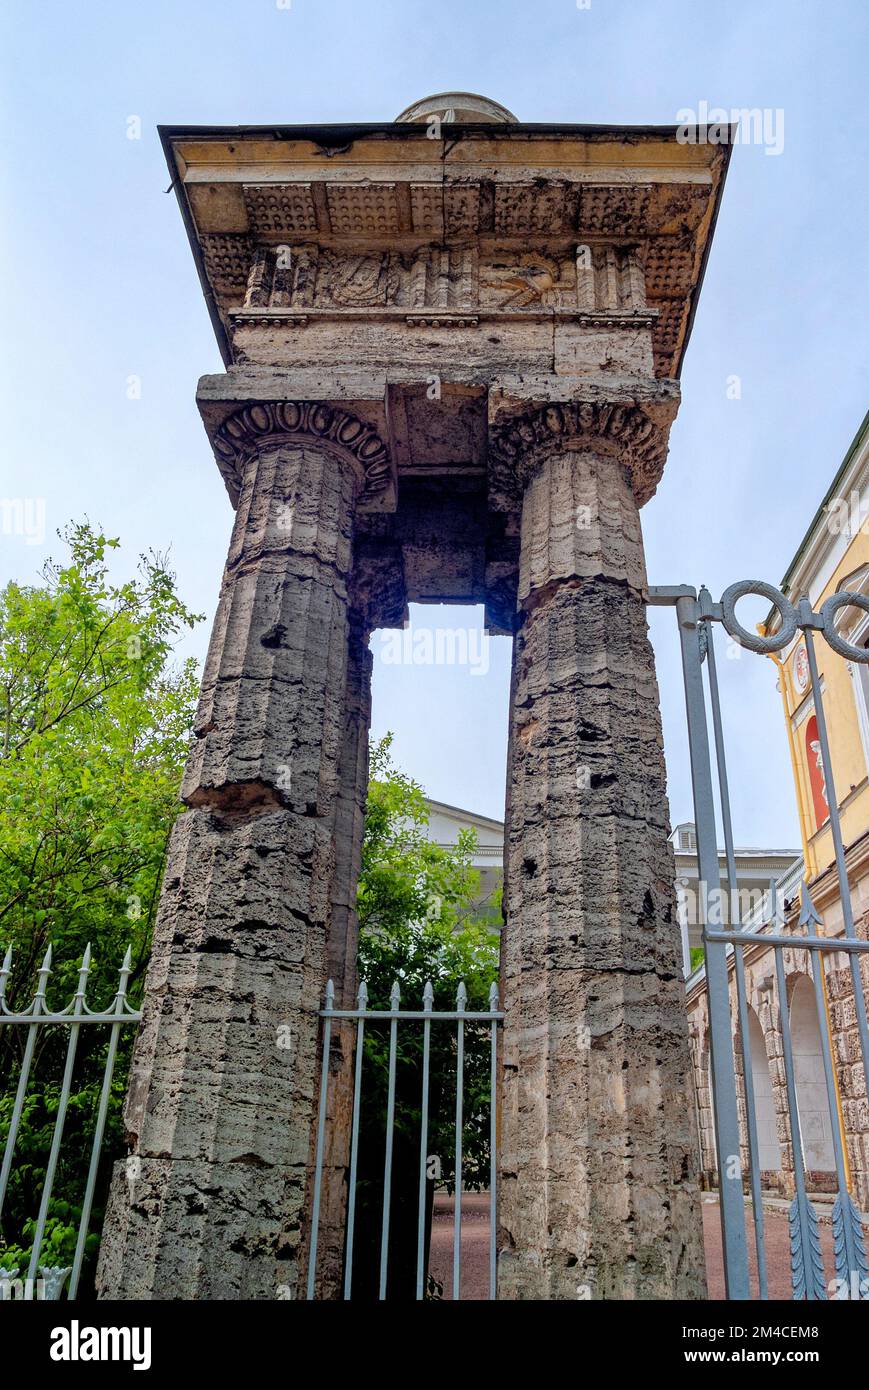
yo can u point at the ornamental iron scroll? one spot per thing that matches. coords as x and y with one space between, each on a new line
725 943
791 617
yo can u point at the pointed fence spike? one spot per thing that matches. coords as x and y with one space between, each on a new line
395 997
4 976
493 997
330 994
808 911
428 996
461 997
127 963
86 958
362 995
46 960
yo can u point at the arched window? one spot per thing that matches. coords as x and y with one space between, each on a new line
769 1149
814 1111
817 780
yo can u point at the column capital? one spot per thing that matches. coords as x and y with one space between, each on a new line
261 424
632 426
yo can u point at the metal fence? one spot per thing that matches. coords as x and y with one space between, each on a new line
725 940
40 1279
427 1017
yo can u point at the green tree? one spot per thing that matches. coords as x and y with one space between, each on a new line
421 921
95 721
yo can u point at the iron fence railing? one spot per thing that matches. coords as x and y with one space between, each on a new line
725 941
458 1018
41 1280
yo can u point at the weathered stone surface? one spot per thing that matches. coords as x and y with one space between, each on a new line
271 708
599 1195
222 1095
340 966
180 1230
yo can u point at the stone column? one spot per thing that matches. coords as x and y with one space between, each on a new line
599 1197
223 1090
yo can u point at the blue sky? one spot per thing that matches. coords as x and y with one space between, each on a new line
100 286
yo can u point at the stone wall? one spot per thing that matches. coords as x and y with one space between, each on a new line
762 997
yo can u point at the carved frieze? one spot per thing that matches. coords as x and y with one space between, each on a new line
358 281
593 279
529 281
303 277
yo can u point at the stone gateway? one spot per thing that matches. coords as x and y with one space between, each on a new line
452 349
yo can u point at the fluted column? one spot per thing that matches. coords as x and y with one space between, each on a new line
598 1187
222 1097
341 947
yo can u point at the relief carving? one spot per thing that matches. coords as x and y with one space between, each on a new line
593 279
367 280
529 281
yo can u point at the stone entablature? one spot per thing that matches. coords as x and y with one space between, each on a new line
569 225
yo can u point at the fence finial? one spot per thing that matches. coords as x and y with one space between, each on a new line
461 997
493 997
808 912
330 994
362 996
42 982
428 996
83 972
395 998
4 975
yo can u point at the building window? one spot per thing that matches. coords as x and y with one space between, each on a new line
687 839
817 781
860 676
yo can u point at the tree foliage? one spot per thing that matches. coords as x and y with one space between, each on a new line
95 721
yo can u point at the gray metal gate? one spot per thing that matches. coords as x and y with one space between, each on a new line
42 1281
697 616
427 1017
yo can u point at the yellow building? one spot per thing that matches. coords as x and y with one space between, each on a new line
833 556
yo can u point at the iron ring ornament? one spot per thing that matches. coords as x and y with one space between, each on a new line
791 618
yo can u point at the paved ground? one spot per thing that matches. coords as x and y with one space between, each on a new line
475 1248
475 1244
